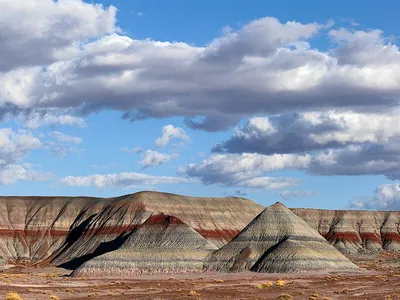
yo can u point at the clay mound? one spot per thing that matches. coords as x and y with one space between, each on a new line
163 244
59 230
277 241
353 231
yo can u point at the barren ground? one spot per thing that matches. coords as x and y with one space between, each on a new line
381 280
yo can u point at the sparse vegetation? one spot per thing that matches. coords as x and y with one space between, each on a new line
265 285
285 297
13 296
280 282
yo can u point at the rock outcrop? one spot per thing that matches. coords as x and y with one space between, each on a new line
60 230
277 241
162 244
69 231
353 231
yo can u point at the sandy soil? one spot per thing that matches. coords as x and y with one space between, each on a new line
380 280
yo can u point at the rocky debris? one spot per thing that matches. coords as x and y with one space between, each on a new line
277 241
162 244
353 231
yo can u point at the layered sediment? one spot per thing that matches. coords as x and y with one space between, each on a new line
162 244
59 230
69 231
277 241
353 231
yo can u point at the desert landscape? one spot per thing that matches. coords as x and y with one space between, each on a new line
152 245
179 149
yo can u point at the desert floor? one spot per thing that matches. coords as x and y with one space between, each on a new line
380 280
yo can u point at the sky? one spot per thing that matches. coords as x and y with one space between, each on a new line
287 101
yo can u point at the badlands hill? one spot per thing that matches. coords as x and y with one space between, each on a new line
277 241
353 231
86 234
70 230
163 244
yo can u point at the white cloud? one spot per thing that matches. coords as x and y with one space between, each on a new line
300 132
170 132
12 173
246 170
337 142
125 179
387 197
63 138
241 170
14 146
49 30
64 144
152 158
263 67
62 150
37 119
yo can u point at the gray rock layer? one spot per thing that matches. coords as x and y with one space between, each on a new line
163 244
58 230
277 241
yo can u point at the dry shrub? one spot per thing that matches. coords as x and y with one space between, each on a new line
265 285
69 290
13 296
219 281
192 293
285 297
280 282
54 297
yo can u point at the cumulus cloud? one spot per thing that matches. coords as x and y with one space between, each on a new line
63 144
63 138
152 158
370 159
14 147
12 173
241 170
49 30
387 197
263 67
123 180
36 119
170 132
246 170
309 131
337 142
286 194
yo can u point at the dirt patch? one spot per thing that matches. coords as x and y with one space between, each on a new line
379 281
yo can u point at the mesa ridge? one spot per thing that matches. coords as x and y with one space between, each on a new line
82 233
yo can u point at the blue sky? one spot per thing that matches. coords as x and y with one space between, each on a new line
301 100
